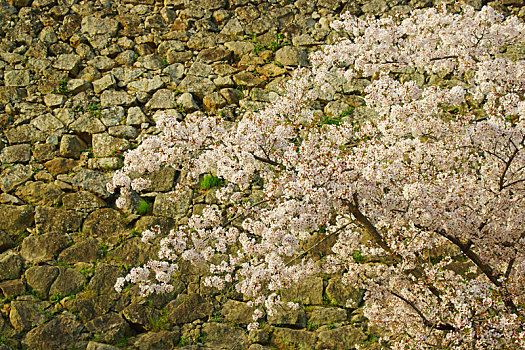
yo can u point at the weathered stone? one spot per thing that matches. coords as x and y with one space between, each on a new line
17 78
24 133
341 338
136 116
112 116
192 308
10 266
60 165
284 339
224 336
16 154
56 220
248 79
87 250
103 281
82 200
164 206
325 315
342 295
292 56
178 57
187 102
74 86
271 70
14 176
308 292
237 312
54 100
375 7
47 122
161 99
40 193
99 26
71 146
163 340
140 316
44 247
102 63
105 145
125 131
109 328
12 288
233 27
40 278
100 346
15 219
134 253
288 317
68 62
197 86
146 85
25 315
106 82
69 281
214 54
92 181
214 101
5 241
232 96
110 98
61 333
104 223
88 123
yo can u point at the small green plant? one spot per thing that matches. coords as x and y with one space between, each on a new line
257 46
349 111
144 207
209 181
55 298
278 42
183 341
104 249
327 120
62 87
331 326
122 342
165 62
358 258
311 327
135 233
94 109
278 64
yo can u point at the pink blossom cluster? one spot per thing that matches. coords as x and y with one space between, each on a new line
430 193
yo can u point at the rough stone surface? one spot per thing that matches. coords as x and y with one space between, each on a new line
42 248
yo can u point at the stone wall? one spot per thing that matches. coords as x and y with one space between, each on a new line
82 81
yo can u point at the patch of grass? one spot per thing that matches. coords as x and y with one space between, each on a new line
209 181
358 258
62 87
278 42
331 121
144 207
94 109
349 111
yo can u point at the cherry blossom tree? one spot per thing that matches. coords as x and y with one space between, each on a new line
423 205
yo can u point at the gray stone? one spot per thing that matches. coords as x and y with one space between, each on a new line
192 308
24 133
15 219
124 131
100 346
197 86
60 165
105 145
233 27
232 96
11 289
248 79
17 78
106 82
10 266
292 56
16 154
200 69
110 98
92 181
5 242
134 252
136 116
61 333
14 176
112 116
47 123
214 54
140 316
71 146
375 7
68 62
161 99
103 281
44 247
341 338
240 47
40 278
162 180
214 101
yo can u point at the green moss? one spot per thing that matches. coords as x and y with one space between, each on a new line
144 207
209 181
